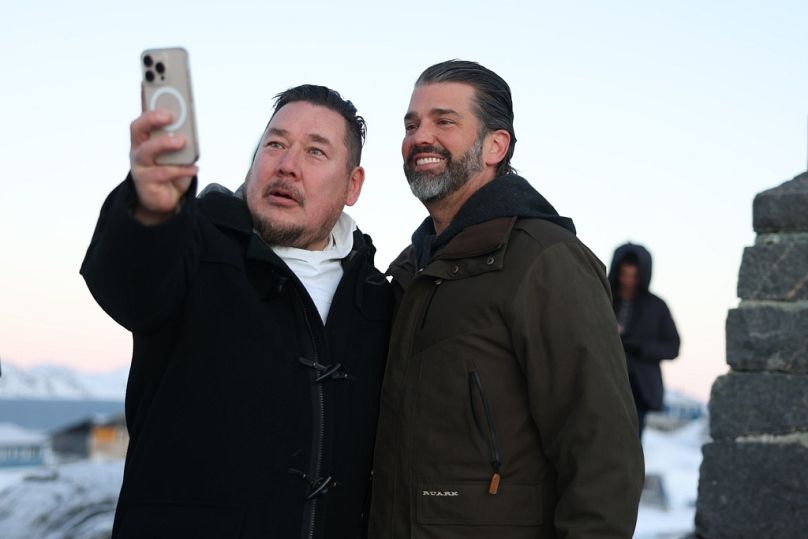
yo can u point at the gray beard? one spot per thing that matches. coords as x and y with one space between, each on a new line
428 187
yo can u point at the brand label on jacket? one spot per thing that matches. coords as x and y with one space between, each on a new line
446 493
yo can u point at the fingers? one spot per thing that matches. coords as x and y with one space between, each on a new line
166 173
163 187
143 125
145 153
182 184
159 187
157 202
150 178
164 195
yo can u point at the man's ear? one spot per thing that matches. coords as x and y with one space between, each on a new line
496 147
355 183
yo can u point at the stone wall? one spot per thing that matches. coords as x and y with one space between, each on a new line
754 476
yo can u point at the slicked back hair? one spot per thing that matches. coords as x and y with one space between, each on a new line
492 96
355 127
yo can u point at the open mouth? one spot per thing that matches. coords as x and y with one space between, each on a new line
282 195
427 156
420 161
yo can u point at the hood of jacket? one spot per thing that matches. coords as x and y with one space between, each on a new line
505 196
644 265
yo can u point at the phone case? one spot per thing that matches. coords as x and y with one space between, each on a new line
167 86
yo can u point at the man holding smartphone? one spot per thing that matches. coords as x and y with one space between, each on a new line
260 327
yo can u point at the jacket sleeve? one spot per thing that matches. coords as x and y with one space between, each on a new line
565 335
138 274
666 345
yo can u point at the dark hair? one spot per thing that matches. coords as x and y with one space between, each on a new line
492 96
631 259
355 127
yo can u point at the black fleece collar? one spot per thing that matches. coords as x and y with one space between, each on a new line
505 196
225 209
229 210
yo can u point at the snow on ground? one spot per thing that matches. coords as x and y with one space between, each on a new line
10 476
675 457
77 500
74 500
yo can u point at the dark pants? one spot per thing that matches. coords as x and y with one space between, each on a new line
642 409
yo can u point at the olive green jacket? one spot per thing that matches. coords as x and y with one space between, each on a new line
506 410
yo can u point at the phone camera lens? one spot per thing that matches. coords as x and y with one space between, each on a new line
149 76
147 61
159 67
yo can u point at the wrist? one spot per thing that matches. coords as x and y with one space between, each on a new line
149 217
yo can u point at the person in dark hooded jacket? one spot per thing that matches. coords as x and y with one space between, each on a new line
646 326
505 409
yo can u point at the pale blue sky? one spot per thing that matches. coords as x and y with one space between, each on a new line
650 121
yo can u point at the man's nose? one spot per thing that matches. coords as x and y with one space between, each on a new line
423 135
289 163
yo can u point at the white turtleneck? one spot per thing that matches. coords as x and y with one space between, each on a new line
321 271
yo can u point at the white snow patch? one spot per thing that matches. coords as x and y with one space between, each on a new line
78 500
74 500
676 457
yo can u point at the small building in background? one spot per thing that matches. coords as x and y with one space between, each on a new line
21 447
95 437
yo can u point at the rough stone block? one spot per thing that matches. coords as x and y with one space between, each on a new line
768 336
753 491
758 403
774 272
783 208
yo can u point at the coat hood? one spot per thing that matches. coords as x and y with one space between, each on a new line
506 196
644 263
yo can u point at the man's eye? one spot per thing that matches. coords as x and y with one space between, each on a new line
317 151
274 144
409 127
445 121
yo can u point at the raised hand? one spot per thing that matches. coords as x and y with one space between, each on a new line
159 187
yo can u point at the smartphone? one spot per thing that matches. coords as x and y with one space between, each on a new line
167 86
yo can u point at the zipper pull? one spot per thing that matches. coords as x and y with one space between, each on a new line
493 486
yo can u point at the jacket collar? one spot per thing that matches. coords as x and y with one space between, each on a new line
477 249
229 211
225 210
477 240
506 196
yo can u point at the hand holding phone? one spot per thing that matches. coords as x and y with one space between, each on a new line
163 137
167 86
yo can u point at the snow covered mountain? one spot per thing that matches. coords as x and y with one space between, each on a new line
57 382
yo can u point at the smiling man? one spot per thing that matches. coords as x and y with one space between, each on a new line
506 410
260 329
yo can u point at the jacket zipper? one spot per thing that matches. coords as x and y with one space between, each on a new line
318 467
434 291
321 485
318 399
491 439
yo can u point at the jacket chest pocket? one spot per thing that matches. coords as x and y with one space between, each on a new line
469 503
